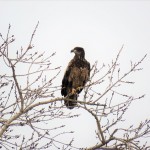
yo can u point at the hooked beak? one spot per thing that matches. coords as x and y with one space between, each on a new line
72 50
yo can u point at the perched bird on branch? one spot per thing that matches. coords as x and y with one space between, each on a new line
75 77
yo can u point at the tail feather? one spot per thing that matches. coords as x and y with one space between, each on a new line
73 103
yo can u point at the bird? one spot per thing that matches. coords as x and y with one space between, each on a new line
75 77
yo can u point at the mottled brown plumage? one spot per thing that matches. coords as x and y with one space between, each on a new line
75 77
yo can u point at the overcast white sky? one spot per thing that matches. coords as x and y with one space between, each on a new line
100 27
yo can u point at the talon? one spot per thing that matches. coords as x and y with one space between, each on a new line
73 91
79 89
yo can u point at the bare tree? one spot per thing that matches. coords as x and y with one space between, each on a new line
29 102
108 117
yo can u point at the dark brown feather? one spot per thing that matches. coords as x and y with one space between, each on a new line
75 78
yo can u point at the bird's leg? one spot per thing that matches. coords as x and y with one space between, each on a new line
73 91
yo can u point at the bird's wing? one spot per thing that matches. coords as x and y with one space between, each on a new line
65 81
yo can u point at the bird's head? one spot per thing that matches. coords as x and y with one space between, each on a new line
79 52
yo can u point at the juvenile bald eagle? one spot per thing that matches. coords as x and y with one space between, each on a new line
75 77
